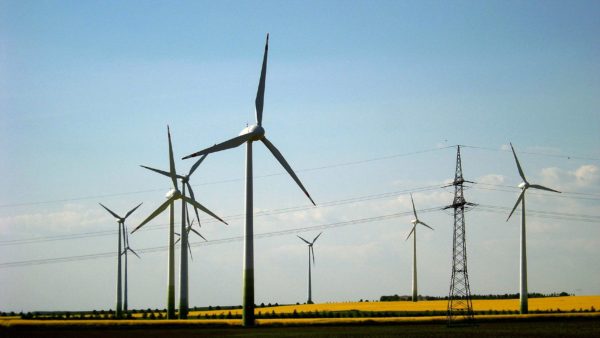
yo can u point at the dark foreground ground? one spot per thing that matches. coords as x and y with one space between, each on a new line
547 328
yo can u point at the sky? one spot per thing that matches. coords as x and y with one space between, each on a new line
365 99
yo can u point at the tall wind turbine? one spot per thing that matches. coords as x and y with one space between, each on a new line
413 232
524 304
311 252
248 135
121 224
173 195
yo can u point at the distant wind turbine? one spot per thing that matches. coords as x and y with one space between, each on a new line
413 232
524 303
173 195
248 135
120 251
188 229
125 250
311 252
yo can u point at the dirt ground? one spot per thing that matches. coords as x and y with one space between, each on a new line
555 328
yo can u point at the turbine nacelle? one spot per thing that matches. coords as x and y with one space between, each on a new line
414 221
172 193
255 130
523 185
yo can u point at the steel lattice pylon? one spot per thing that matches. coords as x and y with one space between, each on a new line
460 307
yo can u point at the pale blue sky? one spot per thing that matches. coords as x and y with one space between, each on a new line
87 89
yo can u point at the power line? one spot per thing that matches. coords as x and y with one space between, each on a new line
568 157
227 218
335 165
330 166
542 214
565 194
271 212
484 208
215 242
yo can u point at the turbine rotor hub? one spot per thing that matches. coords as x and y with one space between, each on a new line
173 193
255 130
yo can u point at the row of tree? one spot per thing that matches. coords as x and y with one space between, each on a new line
396 298
151 314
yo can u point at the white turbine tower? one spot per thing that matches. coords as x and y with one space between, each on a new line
248 135
311 252
120 251
413 232
173 195
524 304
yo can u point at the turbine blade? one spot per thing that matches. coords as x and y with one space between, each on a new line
177 241
423 223
131 211
130 249
190 250
410 233
156 212
313 254
537 186
286 166
194 198
187 214
201 207
307 242
260 94
413 205
314 240
125 237
112 213
197 164
232 143
172 171
199 234
162 172
516 204
518 164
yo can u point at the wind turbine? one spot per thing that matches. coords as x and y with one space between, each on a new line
311 251
248 135
188 229
121 223
173 195
413 232
125 250
524 304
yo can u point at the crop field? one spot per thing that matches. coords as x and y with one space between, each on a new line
560 322
564 304
562 325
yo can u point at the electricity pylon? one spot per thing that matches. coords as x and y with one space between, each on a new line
460 307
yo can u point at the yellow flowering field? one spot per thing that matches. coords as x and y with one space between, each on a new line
548 303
